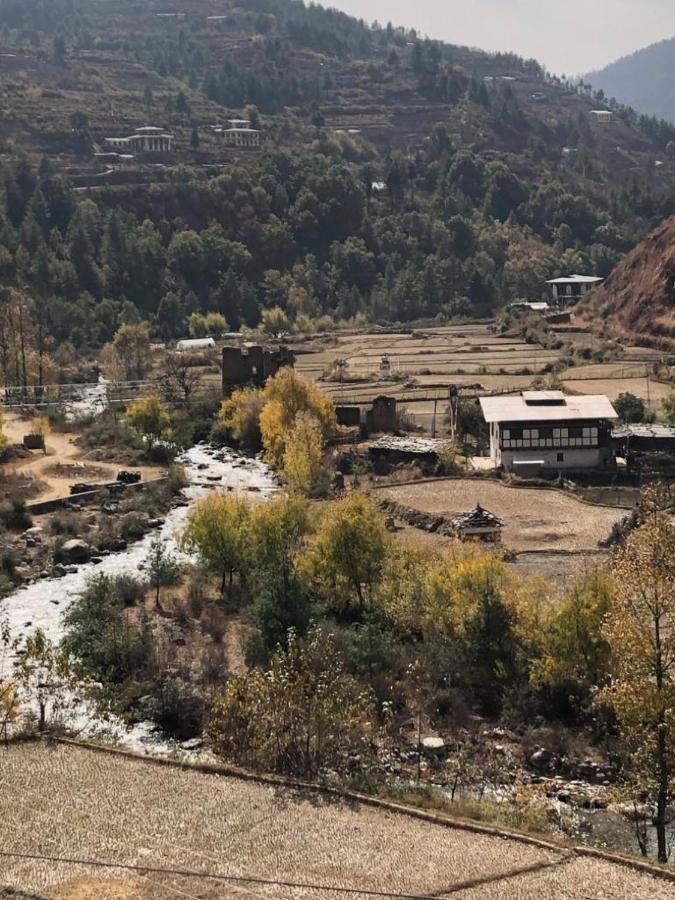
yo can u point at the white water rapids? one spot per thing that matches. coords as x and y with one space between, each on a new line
42 604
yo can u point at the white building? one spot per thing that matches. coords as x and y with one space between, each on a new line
148 139
602 116
538 431
567 291
240 134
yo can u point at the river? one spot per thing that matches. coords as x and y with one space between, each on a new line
43 603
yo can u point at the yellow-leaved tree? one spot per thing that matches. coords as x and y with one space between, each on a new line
640 631
150 417
240 416
346 558
303 456
286 395
217 533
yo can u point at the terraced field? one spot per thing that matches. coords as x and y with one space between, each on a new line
535 519
93 825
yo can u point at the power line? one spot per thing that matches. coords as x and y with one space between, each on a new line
234 879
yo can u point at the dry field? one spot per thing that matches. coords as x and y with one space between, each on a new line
652 392
77 824
535 519
426 361
459 349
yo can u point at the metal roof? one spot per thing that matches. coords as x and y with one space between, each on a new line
663 432
576 279
515 408
416 445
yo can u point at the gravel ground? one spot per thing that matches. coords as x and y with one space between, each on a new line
74 803
534 519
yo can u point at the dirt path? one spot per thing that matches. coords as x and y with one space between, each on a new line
64 464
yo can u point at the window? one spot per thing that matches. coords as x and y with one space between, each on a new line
576 432
561 457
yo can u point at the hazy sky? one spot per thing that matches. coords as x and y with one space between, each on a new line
568 36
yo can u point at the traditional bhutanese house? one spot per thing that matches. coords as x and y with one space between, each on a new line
148 139
602 116
478 525
567 291
538 431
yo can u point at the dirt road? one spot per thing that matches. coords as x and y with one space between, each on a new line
64 463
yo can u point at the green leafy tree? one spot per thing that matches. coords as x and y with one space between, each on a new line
631 409
304 716
161 567
217 533
150 417
346 558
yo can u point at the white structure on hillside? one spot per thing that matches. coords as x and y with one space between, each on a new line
567 291
539 431
240 134
602 116
148 139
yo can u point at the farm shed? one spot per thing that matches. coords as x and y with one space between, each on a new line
395 450
644 439
538 431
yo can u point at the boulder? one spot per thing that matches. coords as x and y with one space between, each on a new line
191 745
433 744
542 759
75 551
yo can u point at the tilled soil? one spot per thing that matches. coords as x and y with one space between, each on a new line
535 519
77 824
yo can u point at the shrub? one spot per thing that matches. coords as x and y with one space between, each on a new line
15 516
176 708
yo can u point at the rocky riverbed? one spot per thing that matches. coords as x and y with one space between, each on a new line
41 603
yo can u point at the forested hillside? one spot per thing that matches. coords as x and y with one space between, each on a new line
399 179
645 80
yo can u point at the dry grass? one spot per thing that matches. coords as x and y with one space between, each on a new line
68 802
534 519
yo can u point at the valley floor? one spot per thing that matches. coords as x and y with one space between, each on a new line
77 824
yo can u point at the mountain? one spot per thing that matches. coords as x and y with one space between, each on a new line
637 302
399 179
644 80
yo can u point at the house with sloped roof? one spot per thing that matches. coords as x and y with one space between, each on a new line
570 289
543 431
